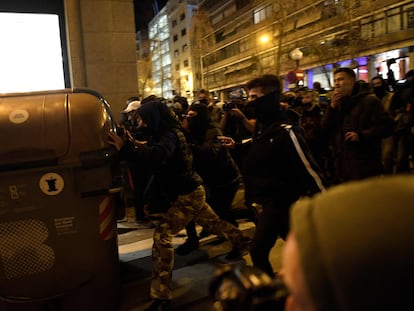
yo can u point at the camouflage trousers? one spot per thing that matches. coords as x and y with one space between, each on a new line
192 206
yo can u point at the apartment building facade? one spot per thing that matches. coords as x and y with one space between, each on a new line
171 50
159 42
180 15
253 37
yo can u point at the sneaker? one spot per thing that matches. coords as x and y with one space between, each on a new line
159 305
187 247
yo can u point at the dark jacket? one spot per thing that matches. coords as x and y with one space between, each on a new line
167 154
279 166
213 162
363 113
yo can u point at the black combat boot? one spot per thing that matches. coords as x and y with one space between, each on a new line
187 247
159 305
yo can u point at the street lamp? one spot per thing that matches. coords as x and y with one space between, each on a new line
296 76
296 54
264 39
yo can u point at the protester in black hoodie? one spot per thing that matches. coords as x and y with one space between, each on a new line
278 169
214 163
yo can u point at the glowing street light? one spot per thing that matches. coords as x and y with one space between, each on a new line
296 76
296 54
264 39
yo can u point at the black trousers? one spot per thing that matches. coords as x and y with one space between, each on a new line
273 222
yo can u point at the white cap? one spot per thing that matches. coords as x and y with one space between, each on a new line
132 106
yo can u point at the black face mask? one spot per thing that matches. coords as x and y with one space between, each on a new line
267 108
203 101
146 132
192 123
380 91
307 106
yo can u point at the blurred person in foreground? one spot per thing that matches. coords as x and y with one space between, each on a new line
278 169
350 248
169 158
357 123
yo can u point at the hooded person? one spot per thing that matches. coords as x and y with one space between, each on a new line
200 122
215 165
278 169
349 248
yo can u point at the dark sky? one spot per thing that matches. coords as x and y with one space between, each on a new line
144 12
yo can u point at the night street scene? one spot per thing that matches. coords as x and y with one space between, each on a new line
206 155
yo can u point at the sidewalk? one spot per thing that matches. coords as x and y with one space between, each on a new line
192 273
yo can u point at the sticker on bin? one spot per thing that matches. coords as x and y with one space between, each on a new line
18 116
51 184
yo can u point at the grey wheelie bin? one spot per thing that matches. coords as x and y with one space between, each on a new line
58 241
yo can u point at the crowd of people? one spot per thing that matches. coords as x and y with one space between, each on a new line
187 161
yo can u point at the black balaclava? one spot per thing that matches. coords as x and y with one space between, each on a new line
267 108
198 124
380 91
203 101
150 113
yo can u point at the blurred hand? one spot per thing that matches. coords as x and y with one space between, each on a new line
284 106
237 112
116 141
351 136
335 98
227 142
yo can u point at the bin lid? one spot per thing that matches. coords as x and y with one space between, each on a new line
51 127
33 128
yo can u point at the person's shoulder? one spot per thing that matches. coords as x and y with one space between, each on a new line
175 132
214 128
368 98
277 130
389 95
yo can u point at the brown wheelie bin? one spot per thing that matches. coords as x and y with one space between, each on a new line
58 241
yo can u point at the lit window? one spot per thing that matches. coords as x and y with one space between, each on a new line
31 53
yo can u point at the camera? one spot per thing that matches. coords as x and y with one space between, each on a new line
247 288
229 106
